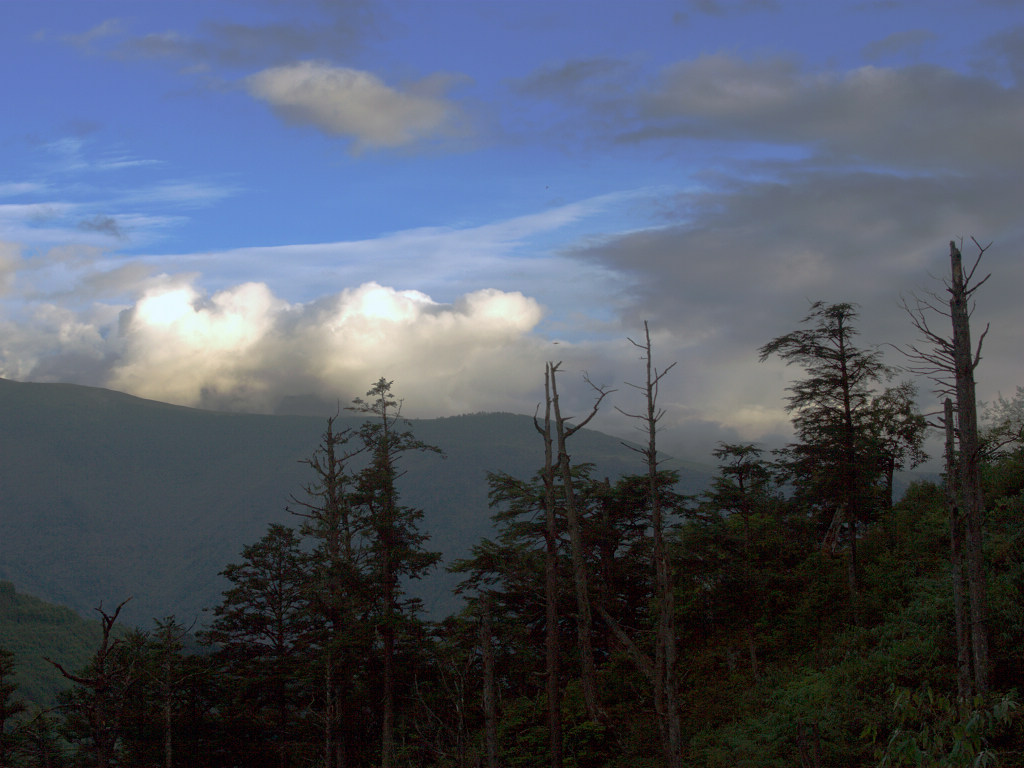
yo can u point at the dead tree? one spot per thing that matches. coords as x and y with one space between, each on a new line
663 669
950 361
105 682
956 556
552 659
584 617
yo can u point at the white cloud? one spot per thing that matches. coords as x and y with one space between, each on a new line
178 346
357 104
245 349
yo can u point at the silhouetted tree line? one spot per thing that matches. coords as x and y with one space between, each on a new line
793 614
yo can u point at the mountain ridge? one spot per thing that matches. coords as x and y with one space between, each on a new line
105 495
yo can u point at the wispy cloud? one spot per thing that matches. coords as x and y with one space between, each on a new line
188 194
104 224
20 188
324 29
76 154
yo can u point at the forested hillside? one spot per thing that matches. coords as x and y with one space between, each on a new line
31 629
791 613
120 496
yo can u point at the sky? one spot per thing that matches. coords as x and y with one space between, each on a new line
251 205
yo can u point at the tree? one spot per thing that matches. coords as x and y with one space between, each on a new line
102 687
262 632
664 666
951 361
896 435
741 487
490 704
584 620
162 721
835 459
552 661
339 587
512 575
10 706
396 544
956 555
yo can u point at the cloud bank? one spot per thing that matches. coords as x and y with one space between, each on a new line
245 349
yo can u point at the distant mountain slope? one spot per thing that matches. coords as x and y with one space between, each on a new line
31 629
105 496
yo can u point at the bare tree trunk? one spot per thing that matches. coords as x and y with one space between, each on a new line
168 737
551 644
388 722
584 619
970 473
329 706
851 573
956 558
665 654
749 578
490 702
851 499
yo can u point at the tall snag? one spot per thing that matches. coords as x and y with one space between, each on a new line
551 653
956 555
100 696
663 670
584 618
950 361
970 457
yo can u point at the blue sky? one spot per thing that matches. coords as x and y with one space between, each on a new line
230 204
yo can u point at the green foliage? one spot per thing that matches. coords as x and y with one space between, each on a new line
10 706
934 730
31 629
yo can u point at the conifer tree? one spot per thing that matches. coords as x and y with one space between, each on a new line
338 588
396 545
10 706
262 632
831 410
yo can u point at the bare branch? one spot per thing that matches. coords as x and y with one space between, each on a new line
639 658
602 393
